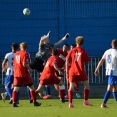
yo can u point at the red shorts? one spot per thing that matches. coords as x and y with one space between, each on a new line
48 81
19 81
78 78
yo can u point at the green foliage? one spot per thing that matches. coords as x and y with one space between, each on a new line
54 108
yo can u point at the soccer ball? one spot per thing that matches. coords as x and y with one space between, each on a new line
26 11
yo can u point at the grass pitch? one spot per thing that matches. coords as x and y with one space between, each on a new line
54 108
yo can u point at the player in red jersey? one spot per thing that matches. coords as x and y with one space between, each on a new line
48 76
76 84
22 73
78 57
62 53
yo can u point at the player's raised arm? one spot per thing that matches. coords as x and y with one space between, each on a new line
43 38
62 40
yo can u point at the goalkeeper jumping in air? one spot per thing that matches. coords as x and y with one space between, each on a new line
43 51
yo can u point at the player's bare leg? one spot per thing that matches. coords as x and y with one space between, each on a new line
3 95
39 89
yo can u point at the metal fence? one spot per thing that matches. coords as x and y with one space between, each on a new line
88 68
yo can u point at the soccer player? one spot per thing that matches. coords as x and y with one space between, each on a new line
48 76
7 67
62 53
78 58
76 85
43 52
22 73
110 58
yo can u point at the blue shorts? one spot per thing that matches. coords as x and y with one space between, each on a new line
112 80
8 80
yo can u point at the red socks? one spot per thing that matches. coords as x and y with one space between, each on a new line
86 94
62 93
70 95
14 96
33 95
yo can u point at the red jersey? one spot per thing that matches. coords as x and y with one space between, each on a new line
78 57
20 58
61 58
49 69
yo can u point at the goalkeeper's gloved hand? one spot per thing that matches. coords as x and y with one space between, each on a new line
67 35
48 34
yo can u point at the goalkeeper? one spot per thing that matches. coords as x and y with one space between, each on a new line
43 51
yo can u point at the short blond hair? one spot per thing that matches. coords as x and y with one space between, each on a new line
24 45
79 40
43 37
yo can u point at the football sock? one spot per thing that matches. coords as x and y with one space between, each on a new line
33 95
36 92
70 95
106 96
86 94
18 95
115 95
9 92
62 91
67 86
76 87
44 91
14 96
48 90
28 92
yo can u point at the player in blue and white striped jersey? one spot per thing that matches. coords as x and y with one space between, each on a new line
110 58
7 67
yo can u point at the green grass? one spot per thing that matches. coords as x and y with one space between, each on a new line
54 108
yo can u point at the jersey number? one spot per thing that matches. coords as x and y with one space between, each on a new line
77 55
109 59
18 59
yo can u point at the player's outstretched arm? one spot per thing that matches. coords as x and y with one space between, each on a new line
62 40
